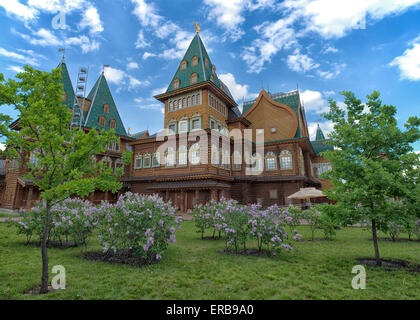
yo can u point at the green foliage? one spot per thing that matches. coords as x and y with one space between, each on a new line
137 223
373 161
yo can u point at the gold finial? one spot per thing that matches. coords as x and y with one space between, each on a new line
128 130
197 28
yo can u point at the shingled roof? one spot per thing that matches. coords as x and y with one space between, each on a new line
204 71
99 96
320 144
290 99
67 84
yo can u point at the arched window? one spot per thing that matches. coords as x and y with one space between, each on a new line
189 101
236 160
102 121
183 156
170 157
176 84
198 101
194 61
213 70
156 159
119 163
286 161
207 63
215 155
270 161
258 161
184 102
195 154
193 100
226 159
107 161
147 160
138 161
183 65
194 78
113 124
106 108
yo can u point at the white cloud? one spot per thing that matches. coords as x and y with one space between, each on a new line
132 65
153 106
21 11
146 13
329 18
18 57
337 68
16 69
238 91
301 62
45 38
54 6
326 127
330 49
134 83
114 75
141 41
157 91
91 20
2 146
148 55
314 101
409 62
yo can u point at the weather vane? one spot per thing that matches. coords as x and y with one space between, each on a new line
197 28
63 51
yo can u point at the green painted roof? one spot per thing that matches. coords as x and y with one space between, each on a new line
291 100
138 134
204 73
321 146
319 134
68 86
99 96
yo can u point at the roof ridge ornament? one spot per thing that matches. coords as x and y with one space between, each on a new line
197 28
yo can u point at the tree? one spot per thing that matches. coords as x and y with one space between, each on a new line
373 164
61 164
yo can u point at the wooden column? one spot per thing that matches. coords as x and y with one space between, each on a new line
167 196
307 161
182 202
197 197
29 198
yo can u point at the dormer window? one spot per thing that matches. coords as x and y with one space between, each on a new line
194 61
64 97
176 84
194 78
207 63
102 121
106 108
113 124
183 65
213 70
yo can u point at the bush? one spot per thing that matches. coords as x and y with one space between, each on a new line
140 224
328 219
240 223
313 217
72 218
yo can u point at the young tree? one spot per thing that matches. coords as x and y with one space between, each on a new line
61 164
373 164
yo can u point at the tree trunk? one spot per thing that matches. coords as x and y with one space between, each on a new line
44 254
375 243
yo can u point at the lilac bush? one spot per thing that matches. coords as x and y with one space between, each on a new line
141 224
73 219
239 223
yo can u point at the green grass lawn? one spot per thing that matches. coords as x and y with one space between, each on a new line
193 269
8 215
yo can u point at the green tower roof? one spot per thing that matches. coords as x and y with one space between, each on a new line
99 96
203 69
67 84
319 134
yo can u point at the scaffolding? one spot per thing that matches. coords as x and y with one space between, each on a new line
79 98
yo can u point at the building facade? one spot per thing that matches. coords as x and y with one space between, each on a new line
208 149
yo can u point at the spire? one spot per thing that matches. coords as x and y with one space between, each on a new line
196 62
100 95
319 134
67 84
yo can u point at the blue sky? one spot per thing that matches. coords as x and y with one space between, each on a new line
320 46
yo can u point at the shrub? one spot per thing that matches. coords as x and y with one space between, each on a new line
71 218
139 224
313 217
240 223
394 230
